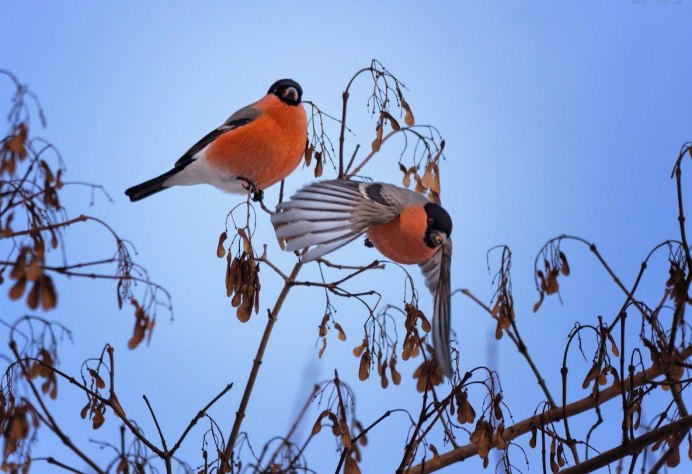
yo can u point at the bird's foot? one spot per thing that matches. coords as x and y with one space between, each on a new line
367 243
252 188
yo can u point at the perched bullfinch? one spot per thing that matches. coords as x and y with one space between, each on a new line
403 225
263 142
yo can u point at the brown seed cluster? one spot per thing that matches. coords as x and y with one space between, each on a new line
43 368
16 423
13 150
144 325
341 432
28 272
547 277
242 277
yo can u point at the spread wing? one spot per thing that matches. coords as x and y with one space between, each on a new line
238 119
437 273
329 214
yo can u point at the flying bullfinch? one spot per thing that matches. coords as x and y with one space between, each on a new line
402 224
263 142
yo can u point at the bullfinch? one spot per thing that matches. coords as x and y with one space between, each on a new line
403 225
261 143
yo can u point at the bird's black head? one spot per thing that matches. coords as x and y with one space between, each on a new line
288 90
439 225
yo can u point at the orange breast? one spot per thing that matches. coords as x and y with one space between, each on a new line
265 150
401 239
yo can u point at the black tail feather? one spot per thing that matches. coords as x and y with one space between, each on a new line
154 185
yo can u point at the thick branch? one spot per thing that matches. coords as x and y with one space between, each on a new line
550 416
240 414
631 447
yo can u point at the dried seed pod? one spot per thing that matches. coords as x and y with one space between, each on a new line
244 310
395 125
341 333
324 346
220 249
318 164
408 117
364 369
425 324
247 248
97 379
358 350
17 289
49 297
564 267
34 295
396 376
590 375
377 142
308 155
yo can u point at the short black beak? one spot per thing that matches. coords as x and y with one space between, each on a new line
292 94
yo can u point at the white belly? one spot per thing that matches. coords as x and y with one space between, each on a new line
200 172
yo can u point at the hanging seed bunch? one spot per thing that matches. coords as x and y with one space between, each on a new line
319 146
554 265
324 328
242 275
379 345
340 418
18 423
502 303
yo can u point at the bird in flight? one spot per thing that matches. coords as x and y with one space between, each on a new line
403 225
259 145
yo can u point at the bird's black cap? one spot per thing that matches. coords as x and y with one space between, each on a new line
438 218
281 85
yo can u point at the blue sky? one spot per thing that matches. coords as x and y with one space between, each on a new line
557 118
